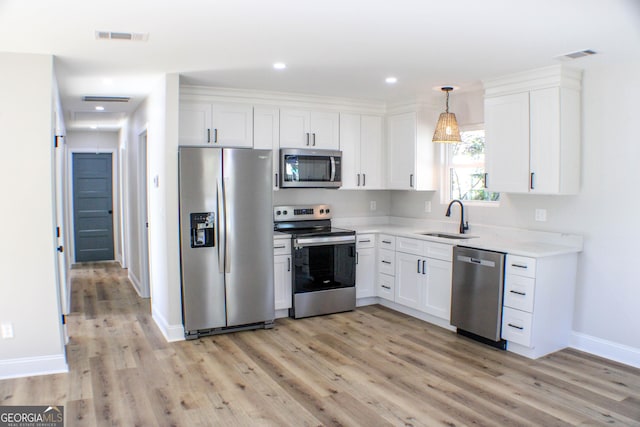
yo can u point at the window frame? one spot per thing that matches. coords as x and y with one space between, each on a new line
445 190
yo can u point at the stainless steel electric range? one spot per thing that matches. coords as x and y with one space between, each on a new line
324 260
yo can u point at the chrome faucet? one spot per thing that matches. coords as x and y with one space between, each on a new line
464 225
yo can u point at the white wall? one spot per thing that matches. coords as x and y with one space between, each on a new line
29 298
96 142
159 116
345 203
605 213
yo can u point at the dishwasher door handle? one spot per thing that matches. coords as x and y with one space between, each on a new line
476 261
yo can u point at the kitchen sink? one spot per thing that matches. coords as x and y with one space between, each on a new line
447 235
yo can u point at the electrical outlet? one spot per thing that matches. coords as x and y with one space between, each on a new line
541 215
372 205
7 330
427 206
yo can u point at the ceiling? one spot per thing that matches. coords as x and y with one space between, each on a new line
342 48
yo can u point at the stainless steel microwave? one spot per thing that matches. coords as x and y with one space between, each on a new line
307 168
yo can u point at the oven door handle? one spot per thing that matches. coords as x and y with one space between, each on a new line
302 242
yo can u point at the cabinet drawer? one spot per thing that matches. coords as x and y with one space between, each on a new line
282 246
516 326
387 242
441 251
410 246
365 241
518 292
386 285
386 261
520 265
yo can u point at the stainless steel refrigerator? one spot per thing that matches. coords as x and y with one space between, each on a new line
226 239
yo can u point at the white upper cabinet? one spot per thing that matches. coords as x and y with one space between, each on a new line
216 124
309 129
532 124
410 152
361 144
266 131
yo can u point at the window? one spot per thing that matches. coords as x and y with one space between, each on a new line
465 169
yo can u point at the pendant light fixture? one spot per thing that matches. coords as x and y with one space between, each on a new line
447 131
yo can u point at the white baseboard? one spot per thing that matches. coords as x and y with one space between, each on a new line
604 348
171 333
32 366
135 282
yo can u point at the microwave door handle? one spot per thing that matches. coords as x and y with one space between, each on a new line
333 168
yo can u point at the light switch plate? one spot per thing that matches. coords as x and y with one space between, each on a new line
7 330
373 205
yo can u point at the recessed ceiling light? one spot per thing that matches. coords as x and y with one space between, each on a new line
99 108
107 81
279 65
391 80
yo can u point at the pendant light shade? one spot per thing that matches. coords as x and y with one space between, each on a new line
447 131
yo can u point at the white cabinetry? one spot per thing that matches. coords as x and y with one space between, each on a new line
532 125
365 265
423 276
538 303
385 285
410 153
361 145
282 273
309 129
218 124
266 131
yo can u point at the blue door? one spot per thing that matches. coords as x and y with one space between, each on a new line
92 207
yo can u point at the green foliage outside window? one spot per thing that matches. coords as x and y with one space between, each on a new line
466 169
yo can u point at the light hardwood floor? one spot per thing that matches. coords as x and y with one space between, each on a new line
369 367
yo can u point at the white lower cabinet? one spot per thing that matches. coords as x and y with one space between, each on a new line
537 315
282 273
386 286
365 266
423 276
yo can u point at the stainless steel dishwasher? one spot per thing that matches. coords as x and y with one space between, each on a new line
476 294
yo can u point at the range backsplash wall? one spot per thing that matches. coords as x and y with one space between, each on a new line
345 203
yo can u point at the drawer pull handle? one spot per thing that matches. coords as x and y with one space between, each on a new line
279 247
519 266
386 287
365 241
518 292
386 262
515 326
388 242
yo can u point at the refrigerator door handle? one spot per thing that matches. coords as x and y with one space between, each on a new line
222 230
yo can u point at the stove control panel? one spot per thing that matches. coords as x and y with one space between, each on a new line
301 212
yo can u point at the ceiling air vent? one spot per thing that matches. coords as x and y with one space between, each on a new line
106 99
116 35
576 55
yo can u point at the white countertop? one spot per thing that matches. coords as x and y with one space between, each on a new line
512 241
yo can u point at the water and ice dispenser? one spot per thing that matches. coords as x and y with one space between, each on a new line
202 230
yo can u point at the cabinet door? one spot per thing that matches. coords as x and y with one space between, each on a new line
194 126
325 131
371 147
266 131
232 125
545 141
350 147
401 153
507 142
437 292
294 129
409 279
365 272
282 281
